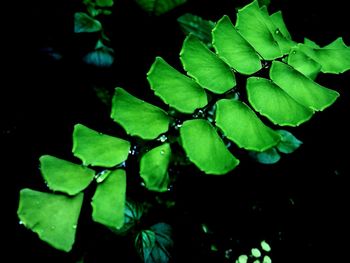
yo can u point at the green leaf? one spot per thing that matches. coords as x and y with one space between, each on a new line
104 3
269 156
159 7
64 176
289 143
278 20
232 48
98 149
275 104
197 26
102 56
265 246
205 67
108 202
301 88
334 58
174 88
155 245
154 168
53 217
132 214
205 148
257 28
310 43
304 64
241 125
136 115
83 23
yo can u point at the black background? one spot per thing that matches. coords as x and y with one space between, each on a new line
299 205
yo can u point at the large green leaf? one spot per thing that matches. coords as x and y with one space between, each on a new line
155 245
257 28
108 202
98 149
301 88
334 58
304 64
159 7
205 148
154 168
174 88
205 67
53 217
274 103
135 116
241 125
64 176
197 26
233 48
83 23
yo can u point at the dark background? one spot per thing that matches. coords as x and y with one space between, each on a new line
298 205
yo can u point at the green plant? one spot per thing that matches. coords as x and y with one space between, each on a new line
256 69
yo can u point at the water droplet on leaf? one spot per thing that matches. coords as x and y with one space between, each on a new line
162 152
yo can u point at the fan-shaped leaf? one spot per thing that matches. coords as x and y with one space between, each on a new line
232 48
205 148
134 115
334 58
269 156
154 168
108 202
205 67
257 28
83 23
241 125
289 143
174 88
278 20
197 26
98 149
301 88
155 245
304 64
159 7
64 176
274 103
53 217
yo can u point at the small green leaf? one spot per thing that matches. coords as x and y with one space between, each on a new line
53 217
102 56
197 26
108 202
289 143
83 23
241 125
270 156
132 214
159 7
135 116
301 88
205 67
265 246
154 168
98 149
64 176
255 252
232 48
257 28
104 3
267 259
334 58
242 259
205 148
304 64
278 20
155 245
174 88
274 103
